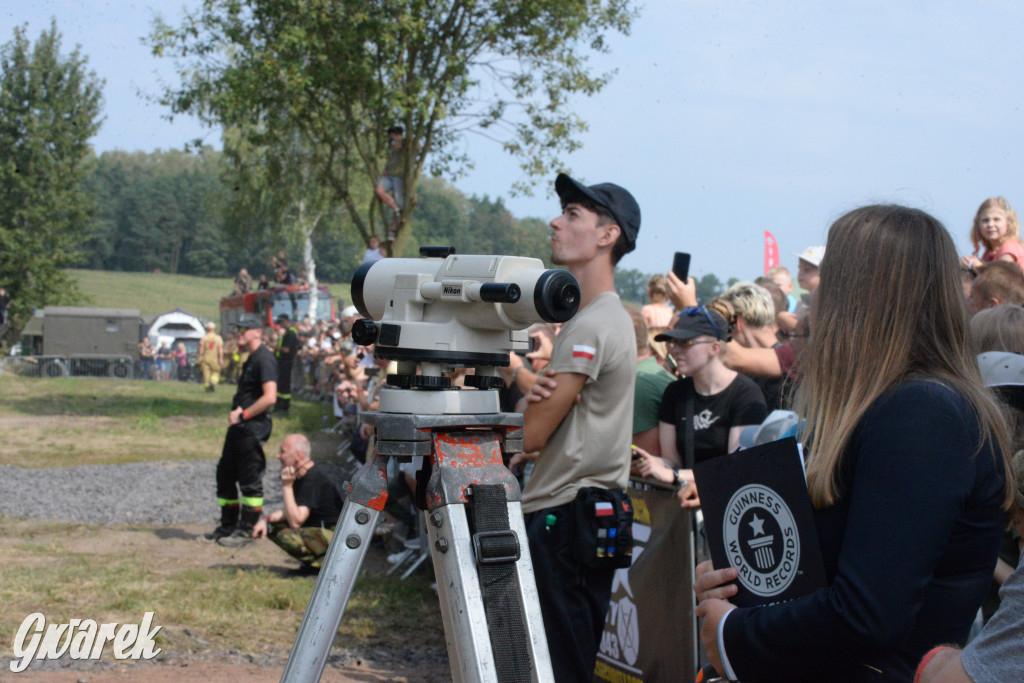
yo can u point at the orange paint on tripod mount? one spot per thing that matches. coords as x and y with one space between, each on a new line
463 449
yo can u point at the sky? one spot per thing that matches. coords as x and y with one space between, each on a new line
724 119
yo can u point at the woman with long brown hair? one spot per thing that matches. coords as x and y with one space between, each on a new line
907 467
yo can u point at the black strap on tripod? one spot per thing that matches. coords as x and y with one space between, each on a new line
496 548
688 456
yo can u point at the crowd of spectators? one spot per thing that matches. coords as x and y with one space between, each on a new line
284 276
163 361
708 370
745 350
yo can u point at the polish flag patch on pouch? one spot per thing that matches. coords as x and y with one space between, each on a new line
583 351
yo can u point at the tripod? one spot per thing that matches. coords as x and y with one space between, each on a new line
488 595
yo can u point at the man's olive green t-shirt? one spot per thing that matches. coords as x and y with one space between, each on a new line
590 447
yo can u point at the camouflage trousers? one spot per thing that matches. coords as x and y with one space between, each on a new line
306 544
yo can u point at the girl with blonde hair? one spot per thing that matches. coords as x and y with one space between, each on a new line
996 228
657 314
907 467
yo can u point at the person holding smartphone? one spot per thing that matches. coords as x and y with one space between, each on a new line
704 411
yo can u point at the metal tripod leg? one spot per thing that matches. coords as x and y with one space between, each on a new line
462 460
462 608
338 574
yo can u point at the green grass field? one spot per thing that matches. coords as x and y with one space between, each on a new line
68 422
206 597
155 293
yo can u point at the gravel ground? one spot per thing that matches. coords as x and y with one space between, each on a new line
165 492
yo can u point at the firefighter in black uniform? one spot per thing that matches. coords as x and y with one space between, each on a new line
287 348
242 462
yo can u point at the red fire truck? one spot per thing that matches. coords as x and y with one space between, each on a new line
272 302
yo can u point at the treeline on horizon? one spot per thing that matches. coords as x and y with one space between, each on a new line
174 212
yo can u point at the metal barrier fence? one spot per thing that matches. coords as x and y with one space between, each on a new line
108 366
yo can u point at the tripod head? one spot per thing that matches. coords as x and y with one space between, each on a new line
447 311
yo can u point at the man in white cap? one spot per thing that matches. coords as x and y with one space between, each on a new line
808 276
807 267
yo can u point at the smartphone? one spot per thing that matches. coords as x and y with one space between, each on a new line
681 265
670 363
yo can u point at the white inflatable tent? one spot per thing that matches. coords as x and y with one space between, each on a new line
177 326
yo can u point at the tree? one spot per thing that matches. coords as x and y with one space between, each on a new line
49 108
158 210
631 285
339 73
708 287
274 174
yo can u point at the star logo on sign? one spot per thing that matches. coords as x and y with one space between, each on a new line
757 524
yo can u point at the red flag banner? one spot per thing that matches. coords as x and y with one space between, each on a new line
771 251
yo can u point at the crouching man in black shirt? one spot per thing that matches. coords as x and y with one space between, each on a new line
242 462
312 505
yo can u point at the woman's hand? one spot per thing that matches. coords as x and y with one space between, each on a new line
508 372
520 459
681 294
652 467
712 587
543 346
715 584
713 611
688 496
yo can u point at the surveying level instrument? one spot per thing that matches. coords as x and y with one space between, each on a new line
431 315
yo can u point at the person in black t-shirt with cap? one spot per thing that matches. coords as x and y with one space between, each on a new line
721 402
242 462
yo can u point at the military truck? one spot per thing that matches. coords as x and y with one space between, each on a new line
89 342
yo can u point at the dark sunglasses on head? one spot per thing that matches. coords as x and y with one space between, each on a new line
700 310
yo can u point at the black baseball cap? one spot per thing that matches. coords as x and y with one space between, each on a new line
617 200
248 321
694 322
283 318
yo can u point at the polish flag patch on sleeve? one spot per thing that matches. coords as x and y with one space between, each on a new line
583 351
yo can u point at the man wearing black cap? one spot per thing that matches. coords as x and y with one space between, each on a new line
580 419
287 348
242 462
